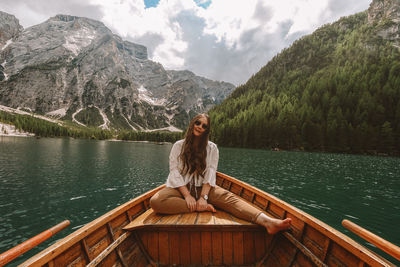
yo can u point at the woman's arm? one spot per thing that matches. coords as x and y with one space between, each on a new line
190 201
205 190
202 201
175 179
211 168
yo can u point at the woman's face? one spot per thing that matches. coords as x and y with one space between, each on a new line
200 126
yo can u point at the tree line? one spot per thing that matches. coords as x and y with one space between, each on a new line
43 128
335 90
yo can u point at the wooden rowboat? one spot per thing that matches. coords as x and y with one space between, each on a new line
133 235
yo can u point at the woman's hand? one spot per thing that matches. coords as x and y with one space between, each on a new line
201 204
191 203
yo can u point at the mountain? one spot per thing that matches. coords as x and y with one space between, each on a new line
337 89
76 69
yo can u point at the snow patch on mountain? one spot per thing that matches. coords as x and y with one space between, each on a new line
147 96
7 44
78 40
59 113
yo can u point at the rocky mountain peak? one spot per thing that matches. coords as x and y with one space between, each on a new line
76 69
9 28
65 18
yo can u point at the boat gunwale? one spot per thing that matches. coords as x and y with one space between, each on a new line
334 235
340 238
62 245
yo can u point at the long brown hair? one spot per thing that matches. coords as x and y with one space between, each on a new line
194 156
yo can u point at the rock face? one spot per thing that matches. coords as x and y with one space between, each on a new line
77 69
9 28
387 14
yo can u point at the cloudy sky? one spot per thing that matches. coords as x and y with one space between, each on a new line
226 40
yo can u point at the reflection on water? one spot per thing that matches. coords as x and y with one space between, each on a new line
45 181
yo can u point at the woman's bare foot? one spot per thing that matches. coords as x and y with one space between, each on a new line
211 208
273 225
208 208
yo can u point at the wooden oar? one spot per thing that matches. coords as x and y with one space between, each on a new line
381 243
20 249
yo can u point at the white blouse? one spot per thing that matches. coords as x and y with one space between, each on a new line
176 179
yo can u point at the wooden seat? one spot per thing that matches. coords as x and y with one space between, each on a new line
219 219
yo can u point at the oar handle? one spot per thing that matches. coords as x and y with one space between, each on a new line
377 241
20 249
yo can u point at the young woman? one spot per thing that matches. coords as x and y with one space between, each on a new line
191 181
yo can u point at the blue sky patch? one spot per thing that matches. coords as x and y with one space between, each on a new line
203 3
151 3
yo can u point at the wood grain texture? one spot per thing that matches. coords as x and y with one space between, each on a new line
206 252
227 253
207 238
195 247
216 248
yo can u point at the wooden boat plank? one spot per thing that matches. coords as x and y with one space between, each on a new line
109 251
145 218
302 260
206 252
143 237
341 255
297 226
125 249
238 249
188 218
153 245
260 202
118 222
97 236
242 222
227 250
216 248
174 246
86 250
247 194
314 242
286 250
70 255
99 246
184 247
135 256
110 260
163 244
115 237
142 262
169 219
222 217
276 210
205 218
259 243
195 247
248 245
236 189
134 211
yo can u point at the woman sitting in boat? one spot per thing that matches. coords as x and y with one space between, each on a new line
191 184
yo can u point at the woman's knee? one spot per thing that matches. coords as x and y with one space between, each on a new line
155 202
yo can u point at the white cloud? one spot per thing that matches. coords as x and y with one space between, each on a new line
223 39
